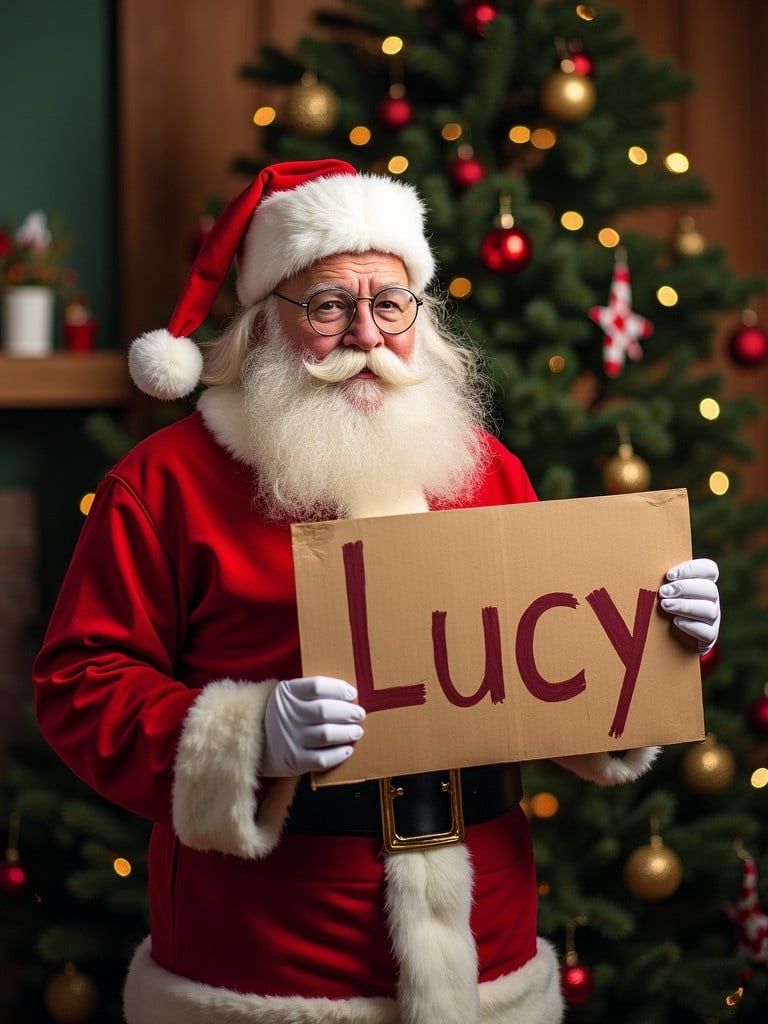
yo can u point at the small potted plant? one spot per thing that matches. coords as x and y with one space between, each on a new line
30 276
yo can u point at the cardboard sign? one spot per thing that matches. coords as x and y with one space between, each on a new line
501 634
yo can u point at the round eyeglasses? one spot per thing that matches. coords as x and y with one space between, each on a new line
332 310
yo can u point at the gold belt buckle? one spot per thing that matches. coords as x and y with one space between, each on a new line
395 843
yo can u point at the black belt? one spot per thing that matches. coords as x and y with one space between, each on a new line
408 811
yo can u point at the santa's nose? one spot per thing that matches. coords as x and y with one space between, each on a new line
362 331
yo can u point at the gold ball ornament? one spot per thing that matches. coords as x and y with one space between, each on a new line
626 473
70 996
568 96
689 241
653 872
312 107
709 767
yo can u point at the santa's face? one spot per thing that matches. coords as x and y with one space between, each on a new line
362 275
360 421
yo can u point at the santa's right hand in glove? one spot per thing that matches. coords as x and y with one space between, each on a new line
310 725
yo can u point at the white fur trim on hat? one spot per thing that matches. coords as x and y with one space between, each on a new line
163 366
328 216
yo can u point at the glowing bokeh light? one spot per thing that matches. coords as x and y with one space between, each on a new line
264 116
451 131
709 408
637 155
719 482
676 163
460 288
121 867
544 805
392 45
572 221
520 133
608 237
667 295
360 135
543 138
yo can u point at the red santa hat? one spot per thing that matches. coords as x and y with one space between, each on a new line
290 216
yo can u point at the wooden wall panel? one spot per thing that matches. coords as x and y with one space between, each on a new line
723 129
183 114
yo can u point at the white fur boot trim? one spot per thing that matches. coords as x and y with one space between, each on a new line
429 900
530 995
155 996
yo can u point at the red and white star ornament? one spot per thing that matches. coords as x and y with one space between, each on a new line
622 327
749 922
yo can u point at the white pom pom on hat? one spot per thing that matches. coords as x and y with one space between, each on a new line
163 365
290 216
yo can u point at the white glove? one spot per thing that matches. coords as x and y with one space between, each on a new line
692 598
310 725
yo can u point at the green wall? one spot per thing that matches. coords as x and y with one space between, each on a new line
57 154
57 132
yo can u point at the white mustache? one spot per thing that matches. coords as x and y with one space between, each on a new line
344 363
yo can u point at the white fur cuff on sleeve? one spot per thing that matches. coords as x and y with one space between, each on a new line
609 771
216 784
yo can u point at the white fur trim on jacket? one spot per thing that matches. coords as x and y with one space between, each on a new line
530 995
328 216
428 903
216 783
610 771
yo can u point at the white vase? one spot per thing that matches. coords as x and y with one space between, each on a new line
27 320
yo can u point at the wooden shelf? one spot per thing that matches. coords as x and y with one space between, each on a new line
65 380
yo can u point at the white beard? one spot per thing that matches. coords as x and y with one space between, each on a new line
326 449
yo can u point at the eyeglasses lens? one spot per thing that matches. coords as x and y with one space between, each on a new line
393 309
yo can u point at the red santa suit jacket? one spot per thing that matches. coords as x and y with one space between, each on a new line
175 620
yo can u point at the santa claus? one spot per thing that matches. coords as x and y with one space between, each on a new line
170 676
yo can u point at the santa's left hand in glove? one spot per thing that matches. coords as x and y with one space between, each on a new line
691 596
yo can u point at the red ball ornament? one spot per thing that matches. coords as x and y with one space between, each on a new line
576 983
13 877
758 715
466 171
476 15
575 60
506 250
748 345
582 63
394 112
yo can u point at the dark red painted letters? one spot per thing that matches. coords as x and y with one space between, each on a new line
537 685
628 646
493 680
357 605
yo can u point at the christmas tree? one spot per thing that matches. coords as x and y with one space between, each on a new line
532 131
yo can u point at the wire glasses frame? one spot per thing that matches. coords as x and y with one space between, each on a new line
332 310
